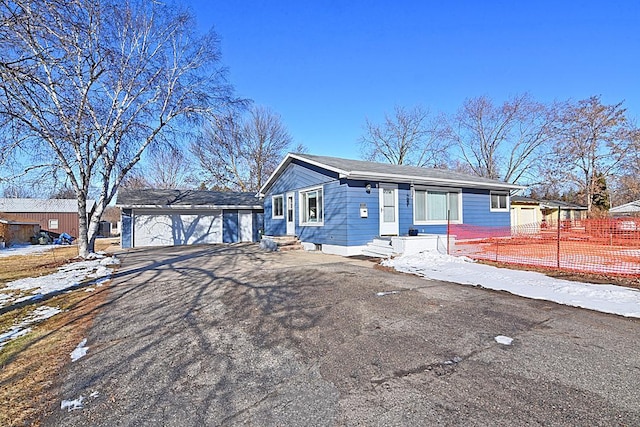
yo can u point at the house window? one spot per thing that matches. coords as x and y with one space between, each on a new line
277 207
311 207
53 224
431 206
499 202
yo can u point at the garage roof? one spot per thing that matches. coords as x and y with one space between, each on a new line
186 199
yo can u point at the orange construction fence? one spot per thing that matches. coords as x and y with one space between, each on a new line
602 246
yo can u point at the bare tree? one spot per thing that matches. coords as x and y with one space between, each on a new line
626 183
593 142
89 85
239 153
168 168
135 180
409 137
502 141
16 191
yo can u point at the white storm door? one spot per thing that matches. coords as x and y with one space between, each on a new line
388 210
291 216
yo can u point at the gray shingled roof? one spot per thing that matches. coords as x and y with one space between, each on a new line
563 205
18 205
630 207
523 199
360 169
186 198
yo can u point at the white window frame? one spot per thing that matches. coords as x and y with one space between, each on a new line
302 203
54 224
440 190
499 193
273 204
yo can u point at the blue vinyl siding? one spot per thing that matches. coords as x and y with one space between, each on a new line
295 177
258 225
126 234
361 230
334 230
476 209
230 226
405 208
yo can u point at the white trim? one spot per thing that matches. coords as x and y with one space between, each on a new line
343 250
290 223
385 227
301 206
499 193
191 207
359 175
442 190
273 215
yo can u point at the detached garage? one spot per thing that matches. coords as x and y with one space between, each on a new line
186 217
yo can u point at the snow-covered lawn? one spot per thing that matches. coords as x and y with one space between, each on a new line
605 298
25 250
95 270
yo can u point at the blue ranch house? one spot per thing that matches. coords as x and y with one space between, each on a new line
341 205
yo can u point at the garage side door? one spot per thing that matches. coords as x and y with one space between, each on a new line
176 228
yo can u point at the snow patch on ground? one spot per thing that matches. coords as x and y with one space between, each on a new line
605 298
36 316
80 350
501 339
67 276
25 250
72 405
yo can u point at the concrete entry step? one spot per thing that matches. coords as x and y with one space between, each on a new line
286 243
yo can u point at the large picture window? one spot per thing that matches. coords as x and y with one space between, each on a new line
433 205
277 207
311 207
499 201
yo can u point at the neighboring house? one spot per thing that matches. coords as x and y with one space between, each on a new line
628 209
528 211
17 230
568 211
185 217
525 211
54 215
343 204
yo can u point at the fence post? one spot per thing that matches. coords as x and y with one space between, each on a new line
558 249
448 230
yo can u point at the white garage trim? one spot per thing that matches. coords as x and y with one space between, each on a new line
175 227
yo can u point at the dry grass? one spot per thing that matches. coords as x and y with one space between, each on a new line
30 364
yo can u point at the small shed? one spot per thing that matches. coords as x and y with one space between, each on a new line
153 217
15 230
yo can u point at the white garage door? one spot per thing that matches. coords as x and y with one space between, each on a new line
176 228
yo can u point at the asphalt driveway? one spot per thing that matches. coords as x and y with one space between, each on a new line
230 335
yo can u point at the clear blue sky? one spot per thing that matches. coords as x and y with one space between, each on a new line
325 66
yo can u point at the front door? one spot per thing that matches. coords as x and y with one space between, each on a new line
291 217
388 210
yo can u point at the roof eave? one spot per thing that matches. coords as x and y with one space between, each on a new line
430 181
188 207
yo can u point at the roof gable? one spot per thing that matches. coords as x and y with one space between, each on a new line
360 169
186 199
